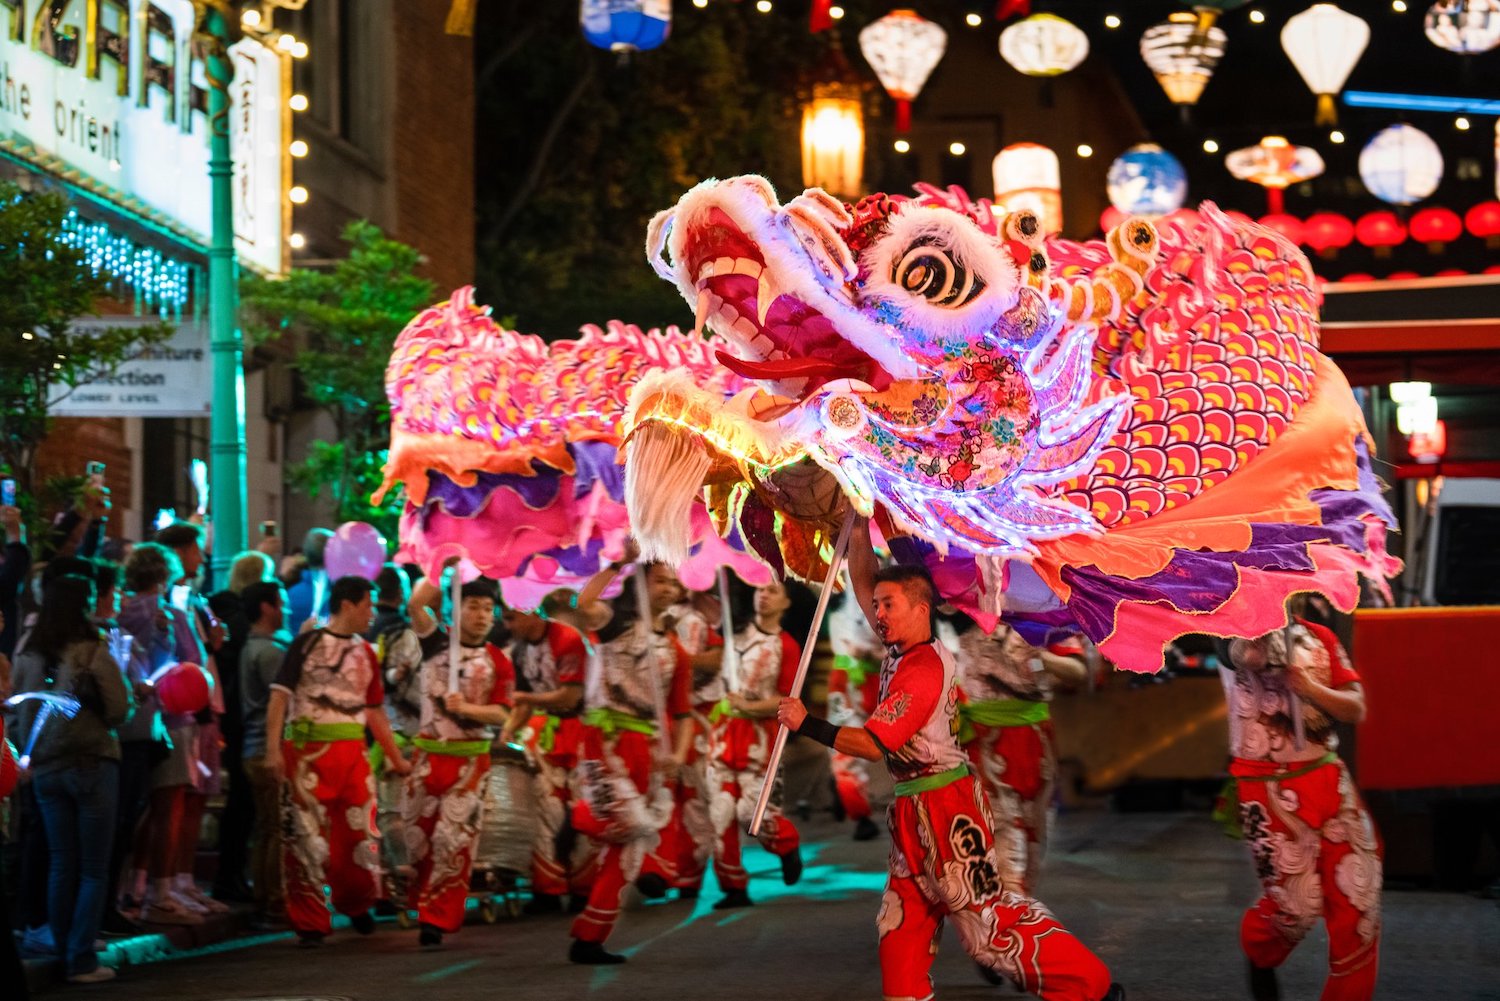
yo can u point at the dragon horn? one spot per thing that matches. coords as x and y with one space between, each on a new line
1133 246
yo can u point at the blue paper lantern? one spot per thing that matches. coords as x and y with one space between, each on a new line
1401 165
1147 180
626 25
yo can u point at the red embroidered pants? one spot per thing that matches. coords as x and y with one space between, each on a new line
1017 767
554 747
1317 854
741 768
943 866
628 810
443 808
329 832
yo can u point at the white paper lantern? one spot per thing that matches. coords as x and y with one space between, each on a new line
903 48
1146 180
1275 164
1401 165
1044 45
1464 26
1324 43
1028 176
1182 55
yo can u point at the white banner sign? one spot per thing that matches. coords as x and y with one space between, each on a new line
174 379
114 90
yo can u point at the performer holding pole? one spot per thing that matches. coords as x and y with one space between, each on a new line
942 860
773 764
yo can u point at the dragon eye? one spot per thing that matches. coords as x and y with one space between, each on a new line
932 273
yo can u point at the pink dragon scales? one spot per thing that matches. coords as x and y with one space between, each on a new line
1136 437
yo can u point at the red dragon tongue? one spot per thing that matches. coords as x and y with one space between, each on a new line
783 368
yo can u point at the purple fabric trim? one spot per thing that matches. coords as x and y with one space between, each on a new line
597 461
537 491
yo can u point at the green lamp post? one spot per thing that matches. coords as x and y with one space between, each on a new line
216 20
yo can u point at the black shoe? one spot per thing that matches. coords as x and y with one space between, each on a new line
688 892
117 925
1263 983
430 937
791 867
577 902
837 803
734 898
309 939
592 954
990 976
386 908
651 885
233 893
543 903
363 923
866 829
1116 992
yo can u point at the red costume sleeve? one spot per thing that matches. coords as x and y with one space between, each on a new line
568 653
791 658
1343 673
503 694
909 703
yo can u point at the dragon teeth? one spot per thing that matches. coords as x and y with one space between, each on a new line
765 296
700 317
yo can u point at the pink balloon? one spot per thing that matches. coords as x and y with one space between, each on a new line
184 689
357 549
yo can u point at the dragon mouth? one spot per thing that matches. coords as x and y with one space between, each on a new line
777 335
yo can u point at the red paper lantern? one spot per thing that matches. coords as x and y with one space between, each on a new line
1401 276
184 689
1380 231
1451 273
1357 276
1288 226
1110 218
1326 232
1483 221
1428 447
1435 227
1493 269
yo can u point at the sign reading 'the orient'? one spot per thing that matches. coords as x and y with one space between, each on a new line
115 91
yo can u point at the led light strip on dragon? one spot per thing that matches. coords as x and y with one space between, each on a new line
1136 437
507 448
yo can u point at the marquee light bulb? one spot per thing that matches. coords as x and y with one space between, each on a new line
297 102
298 195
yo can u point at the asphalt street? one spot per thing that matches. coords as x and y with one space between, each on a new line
1158 896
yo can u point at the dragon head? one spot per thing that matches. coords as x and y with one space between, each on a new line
915 349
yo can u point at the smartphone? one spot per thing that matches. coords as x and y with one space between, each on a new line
268 529
7 492
95 472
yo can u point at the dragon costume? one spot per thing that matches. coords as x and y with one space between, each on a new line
1137 437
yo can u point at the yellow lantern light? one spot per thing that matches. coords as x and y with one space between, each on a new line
833 141
1324 43
1182 54
1028 176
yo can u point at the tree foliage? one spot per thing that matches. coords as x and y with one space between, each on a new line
578 147
45 286
340 326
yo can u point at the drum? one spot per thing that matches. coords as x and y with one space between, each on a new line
508 830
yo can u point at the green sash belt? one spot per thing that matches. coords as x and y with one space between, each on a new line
927 783
1000 712
722 710
610 721
857 668
456 748
377 753
548 737
1227 808
305 731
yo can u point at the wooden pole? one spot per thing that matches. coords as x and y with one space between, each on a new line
455 655
648 626
729 667
773 764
